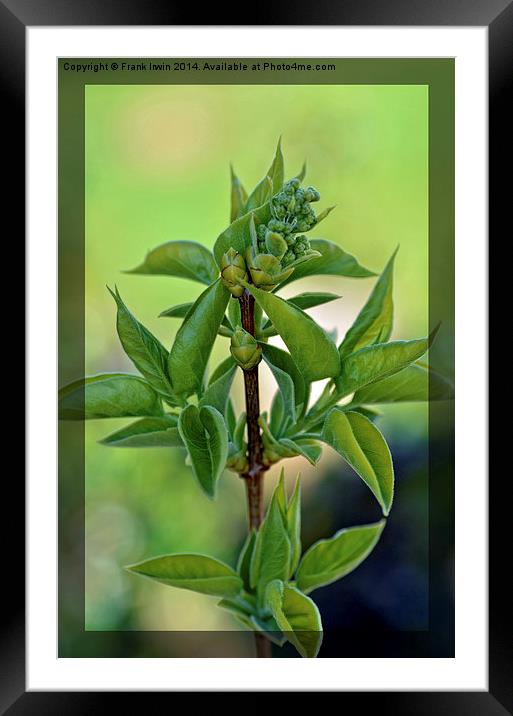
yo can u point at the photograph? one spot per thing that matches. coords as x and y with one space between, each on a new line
257 332
256 310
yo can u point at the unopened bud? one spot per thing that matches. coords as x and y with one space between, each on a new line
275 244
233 270
266 270
245 349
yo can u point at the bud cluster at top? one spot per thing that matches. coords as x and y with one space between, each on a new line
276 246
291 215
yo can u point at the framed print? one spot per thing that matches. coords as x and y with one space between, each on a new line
253 278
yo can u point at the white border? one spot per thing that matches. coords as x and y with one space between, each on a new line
468 670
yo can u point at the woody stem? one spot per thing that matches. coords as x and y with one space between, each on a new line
256 468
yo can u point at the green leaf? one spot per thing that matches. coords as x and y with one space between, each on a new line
237 235
182 309
310 299
297 616
362 445
277 415
242 618
144 350
270 628
237 605
270 184
276 171
293 517
218 390
374 322
286 388
330 559
148 432
178 311
416 383
281 496
238 196
260 194
302 173
253 622
370 413
244 562
186 259
303 301
110 395
234 316
326 212
333 261
312 350
238 433
311 449
195 572
279 360
204 433
306 447
195 338
271 555
379 361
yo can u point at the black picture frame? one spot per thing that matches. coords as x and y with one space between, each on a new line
497 15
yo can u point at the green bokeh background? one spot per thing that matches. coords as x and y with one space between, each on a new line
157 169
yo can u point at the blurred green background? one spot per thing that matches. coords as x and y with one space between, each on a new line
157 169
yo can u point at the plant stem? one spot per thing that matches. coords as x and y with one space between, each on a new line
256 468
263 647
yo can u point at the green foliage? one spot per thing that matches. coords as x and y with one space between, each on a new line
281 363
193 344
271 183
272 552
297 616
148 432
253 593
196 572
333 261
217 392
416 383
185 259
362 445
292 512
237 235
263 249
381 360
182 309
203 431
110 395
374 322
238 197
331 559
286 407
302 301
144 350
311 348
244 562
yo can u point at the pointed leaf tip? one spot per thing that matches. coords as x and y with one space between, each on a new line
364 448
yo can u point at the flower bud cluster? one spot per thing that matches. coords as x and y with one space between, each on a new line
277 246
291 216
